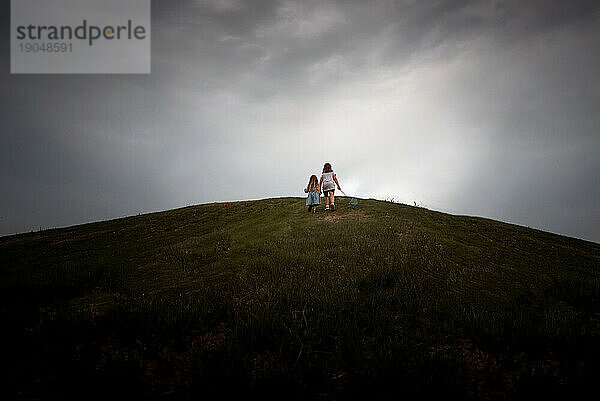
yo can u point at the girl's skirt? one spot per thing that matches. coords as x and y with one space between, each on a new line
313 199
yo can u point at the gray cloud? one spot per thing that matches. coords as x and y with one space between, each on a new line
473 107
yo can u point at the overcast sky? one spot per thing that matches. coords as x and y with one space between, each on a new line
487 108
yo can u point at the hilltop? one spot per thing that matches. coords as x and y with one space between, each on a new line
261 299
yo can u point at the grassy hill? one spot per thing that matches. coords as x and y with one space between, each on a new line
262 299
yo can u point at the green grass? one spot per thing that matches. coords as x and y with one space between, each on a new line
262 300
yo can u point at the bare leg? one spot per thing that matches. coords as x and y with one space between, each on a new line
332 200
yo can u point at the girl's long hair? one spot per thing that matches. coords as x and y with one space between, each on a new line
327 168
313 183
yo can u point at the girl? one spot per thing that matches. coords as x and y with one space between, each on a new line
329 181
314 193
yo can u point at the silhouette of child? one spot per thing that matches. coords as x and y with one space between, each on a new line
329 181
314 193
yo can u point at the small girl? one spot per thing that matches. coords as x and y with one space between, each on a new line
314 193
329 182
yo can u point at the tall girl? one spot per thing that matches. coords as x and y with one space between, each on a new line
329 181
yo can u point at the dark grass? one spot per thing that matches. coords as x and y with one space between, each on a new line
263 300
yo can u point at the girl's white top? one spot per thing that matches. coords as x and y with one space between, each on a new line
328 182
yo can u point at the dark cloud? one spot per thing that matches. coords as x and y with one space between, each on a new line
474 107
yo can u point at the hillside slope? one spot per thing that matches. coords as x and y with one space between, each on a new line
262 299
